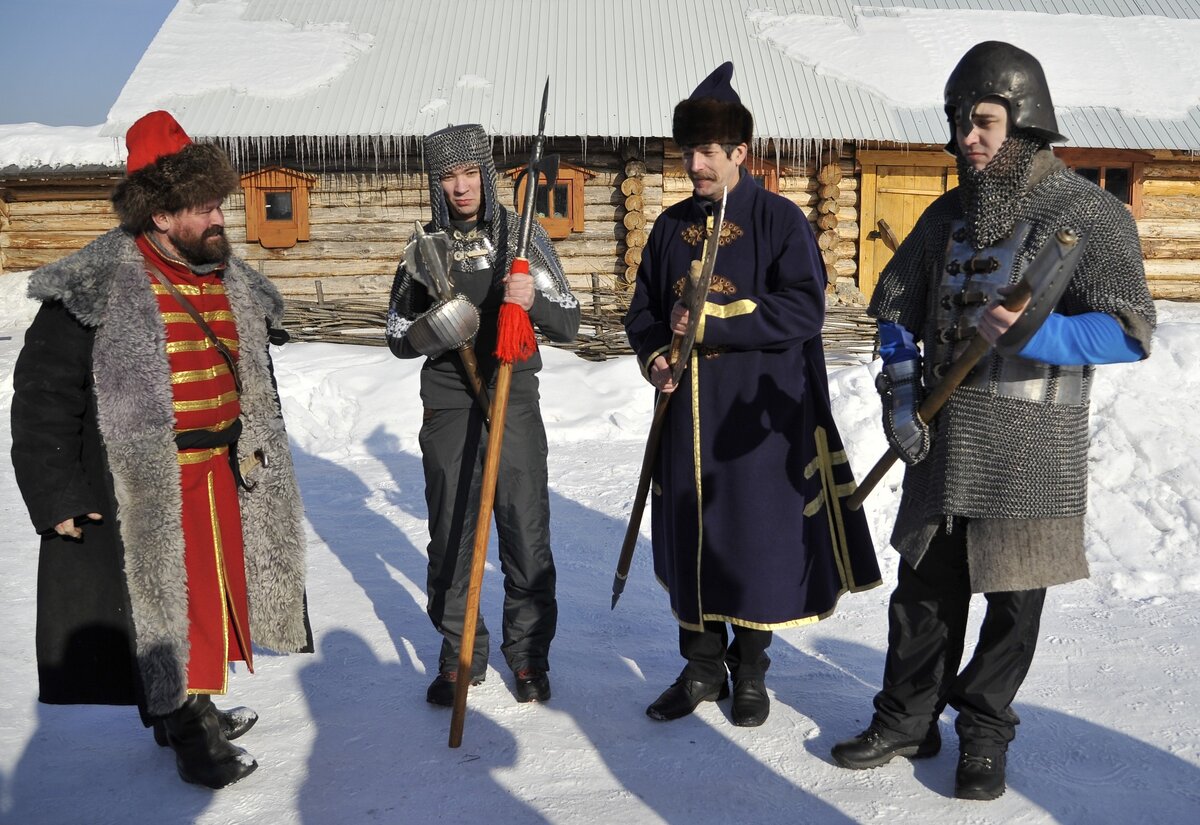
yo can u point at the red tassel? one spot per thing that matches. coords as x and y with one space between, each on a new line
515 340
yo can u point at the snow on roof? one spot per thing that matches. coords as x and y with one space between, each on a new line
374 75
34 146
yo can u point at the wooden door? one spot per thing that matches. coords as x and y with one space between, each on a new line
896 188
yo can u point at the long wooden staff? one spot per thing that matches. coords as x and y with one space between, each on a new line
515 341
1062 252
699 283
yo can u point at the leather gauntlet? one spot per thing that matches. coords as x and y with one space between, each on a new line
900 388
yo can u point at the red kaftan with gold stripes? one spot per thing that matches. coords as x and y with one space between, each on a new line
205 398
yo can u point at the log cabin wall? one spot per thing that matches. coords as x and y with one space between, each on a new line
826 190
42 220
1169 225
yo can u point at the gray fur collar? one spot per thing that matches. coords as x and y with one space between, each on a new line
83 281
105 287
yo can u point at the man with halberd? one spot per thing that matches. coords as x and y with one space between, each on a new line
996 487
454 433
160 564
748 525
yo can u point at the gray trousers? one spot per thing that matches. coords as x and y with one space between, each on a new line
453 446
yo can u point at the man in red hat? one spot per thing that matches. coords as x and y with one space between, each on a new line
143 377
748 523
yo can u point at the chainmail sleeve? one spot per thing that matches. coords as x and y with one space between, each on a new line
1111 275
408 300
555 310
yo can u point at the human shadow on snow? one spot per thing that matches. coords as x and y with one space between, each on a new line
1074 769
97 764
691 771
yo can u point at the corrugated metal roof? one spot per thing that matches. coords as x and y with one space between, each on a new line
617 68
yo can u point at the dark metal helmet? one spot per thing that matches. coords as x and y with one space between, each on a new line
996 69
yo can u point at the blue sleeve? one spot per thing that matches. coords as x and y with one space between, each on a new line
895 343
1090 338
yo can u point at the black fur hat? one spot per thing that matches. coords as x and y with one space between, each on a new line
713 113
166 172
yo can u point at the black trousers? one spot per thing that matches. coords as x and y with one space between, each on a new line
453 444
927 620
709 653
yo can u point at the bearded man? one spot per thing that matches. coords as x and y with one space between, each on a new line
144 374
996 488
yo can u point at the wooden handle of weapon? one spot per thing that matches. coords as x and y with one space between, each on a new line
483 525
467 354
634 528
939 395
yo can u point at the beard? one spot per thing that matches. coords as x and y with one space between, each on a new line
211 247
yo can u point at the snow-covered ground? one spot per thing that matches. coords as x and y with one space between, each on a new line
1110 722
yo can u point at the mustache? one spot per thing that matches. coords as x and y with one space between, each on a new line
213 232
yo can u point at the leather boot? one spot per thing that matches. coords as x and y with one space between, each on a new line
234 722
203 755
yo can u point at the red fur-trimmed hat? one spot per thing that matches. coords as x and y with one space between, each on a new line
166 172
713 113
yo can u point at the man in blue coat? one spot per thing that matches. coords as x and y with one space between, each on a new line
748 525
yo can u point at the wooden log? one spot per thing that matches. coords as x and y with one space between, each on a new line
845 267
634 220
1168 229
635 168
827 240
47 240
828 191
327 270
1176 207
829 257
1174 290
632 186
1183 171
848 230
1173 270
635 238
62 223
828 207
1171 186
830 174
827 222
629 276
79 207
633 255
1171 248
634 203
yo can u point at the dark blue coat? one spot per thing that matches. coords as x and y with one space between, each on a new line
749 438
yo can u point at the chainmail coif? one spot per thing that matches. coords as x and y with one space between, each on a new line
992 196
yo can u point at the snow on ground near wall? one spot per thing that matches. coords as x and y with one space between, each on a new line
1109 733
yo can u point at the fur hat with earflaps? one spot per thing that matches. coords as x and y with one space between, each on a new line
166 172
713 113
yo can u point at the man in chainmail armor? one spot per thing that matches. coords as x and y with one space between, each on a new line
996 488
453 438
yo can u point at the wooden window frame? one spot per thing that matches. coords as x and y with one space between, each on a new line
277 234
1103 159
766 169
575 178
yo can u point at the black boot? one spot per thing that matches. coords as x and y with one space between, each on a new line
877 746
751 705
684 696
979 775
234 722
532 685
202 753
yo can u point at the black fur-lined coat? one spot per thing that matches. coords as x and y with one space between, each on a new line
93 431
